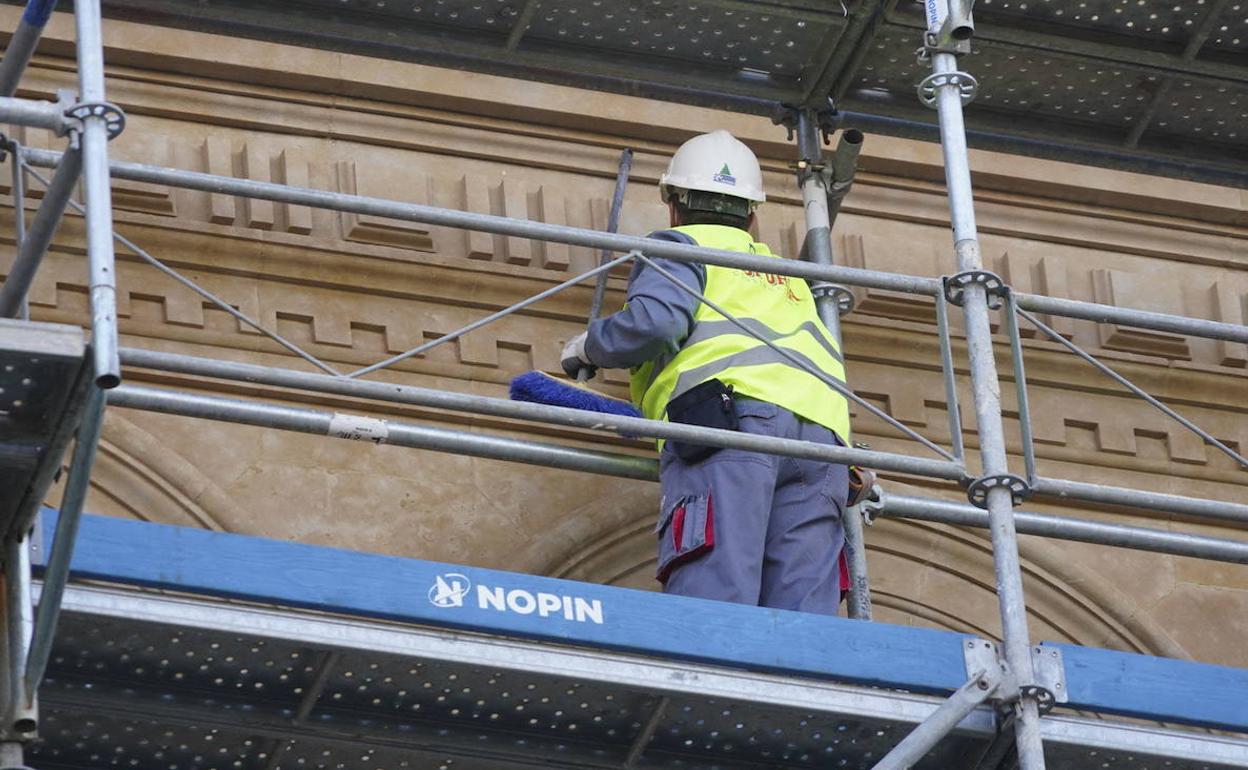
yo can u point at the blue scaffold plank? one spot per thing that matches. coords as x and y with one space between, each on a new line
514 605
1163 689
526 606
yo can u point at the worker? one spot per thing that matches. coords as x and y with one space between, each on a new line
734 525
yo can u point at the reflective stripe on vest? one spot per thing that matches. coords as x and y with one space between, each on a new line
776 308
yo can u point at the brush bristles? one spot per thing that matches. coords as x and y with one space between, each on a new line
541 388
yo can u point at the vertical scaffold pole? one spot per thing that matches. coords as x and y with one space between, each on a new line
947 86
21 713
828 301
19 219
18 709
98 119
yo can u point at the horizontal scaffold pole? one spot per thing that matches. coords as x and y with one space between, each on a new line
1068 528
35 114
491 223
542 231
575 418
626 466
322 423
1062 489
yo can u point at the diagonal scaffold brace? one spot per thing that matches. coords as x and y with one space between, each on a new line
981 686
990 681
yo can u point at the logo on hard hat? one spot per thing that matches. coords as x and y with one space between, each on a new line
449 590
725 176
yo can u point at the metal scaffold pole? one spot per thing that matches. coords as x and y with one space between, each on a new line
101 121
23 43
946 89
820 184
544 231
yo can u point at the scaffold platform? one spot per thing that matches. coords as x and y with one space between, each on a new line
43 374
183 648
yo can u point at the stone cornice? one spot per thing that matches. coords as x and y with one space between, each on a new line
1001 213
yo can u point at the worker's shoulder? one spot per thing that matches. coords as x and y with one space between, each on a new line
674 236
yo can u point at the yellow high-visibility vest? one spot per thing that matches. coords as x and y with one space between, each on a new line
779 308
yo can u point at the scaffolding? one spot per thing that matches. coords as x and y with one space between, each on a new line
927 698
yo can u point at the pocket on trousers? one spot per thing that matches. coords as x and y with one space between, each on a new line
686 531
835 485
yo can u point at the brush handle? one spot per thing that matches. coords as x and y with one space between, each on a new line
613 225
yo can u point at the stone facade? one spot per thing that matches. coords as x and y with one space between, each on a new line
355 289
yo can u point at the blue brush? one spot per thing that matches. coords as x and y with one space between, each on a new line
541 388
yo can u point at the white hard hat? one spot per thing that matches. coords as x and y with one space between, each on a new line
718 163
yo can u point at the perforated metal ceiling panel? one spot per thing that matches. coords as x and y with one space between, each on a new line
1140 84
1159 86
146 695
1170 21
1230 33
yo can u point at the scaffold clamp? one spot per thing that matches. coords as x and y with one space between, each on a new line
842 296
114 117
930 86
977 492
1043 698
826 118
995 286
1048 687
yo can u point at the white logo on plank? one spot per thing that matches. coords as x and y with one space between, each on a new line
452 588
449 590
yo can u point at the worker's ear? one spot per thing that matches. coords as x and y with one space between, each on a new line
751 224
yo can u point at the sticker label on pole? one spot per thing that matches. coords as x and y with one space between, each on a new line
355 428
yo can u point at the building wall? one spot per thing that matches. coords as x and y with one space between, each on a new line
356 289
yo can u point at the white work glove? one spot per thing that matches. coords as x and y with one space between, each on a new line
574 360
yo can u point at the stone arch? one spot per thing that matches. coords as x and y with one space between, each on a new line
138 476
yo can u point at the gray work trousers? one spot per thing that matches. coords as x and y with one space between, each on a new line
755 528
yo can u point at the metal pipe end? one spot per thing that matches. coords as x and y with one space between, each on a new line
962 32
25 725
107 381
852 136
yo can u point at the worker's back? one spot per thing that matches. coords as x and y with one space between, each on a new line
780 307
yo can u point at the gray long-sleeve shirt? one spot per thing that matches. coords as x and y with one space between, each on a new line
657 318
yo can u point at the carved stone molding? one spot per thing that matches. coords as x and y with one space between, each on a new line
1108 289
868 239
